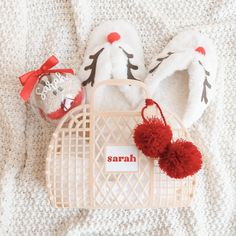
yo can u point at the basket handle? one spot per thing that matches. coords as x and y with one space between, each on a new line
117 82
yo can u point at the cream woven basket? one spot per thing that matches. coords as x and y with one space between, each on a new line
76 170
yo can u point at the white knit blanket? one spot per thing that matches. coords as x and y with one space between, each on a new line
31 31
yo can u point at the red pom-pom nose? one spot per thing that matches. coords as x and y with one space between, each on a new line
112 37
153 135
201 50
181 159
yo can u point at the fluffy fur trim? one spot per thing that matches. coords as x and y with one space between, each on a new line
114 51
193 52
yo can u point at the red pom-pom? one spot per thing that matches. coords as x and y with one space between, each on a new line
181 159
152 137
112 37
201 50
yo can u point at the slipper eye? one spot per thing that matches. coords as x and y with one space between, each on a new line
112 37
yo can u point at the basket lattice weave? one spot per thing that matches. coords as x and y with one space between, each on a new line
76 173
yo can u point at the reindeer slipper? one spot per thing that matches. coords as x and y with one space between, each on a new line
182 77
114 51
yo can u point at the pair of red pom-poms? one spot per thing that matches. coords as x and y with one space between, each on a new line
177 159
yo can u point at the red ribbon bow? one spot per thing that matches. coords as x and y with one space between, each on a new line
30 79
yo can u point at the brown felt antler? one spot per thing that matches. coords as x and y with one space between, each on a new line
130 66
92 67
160 60
206 85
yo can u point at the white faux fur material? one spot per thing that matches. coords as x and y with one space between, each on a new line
120 59
182 77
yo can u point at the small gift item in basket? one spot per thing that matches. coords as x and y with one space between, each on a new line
51 92
93 161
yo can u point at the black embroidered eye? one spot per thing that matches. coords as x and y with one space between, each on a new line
92 67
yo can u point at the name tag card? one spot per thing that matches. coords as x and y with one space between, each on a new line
121 158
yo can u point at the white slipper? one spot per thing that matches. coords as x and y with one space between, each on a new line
182 77
114 51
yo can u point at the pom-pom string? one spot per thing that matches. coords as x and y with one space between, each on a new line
150 102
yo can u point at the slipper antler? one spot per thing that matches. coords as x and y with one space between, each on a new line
130 66
206 85
92 67
160 60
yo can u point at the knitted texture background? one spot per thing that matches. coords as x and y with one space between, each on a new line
33 30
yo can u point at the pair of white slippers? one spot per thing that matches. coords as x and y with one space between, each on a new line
181 78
